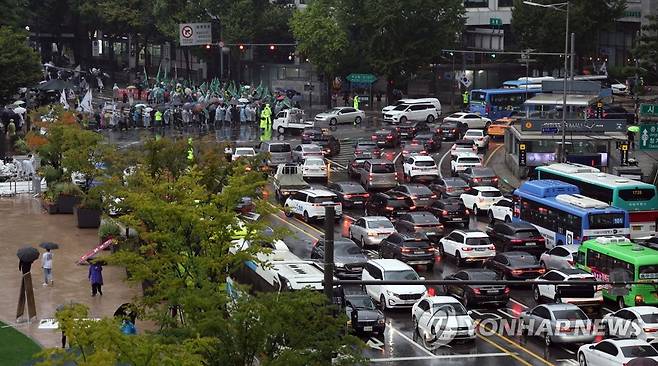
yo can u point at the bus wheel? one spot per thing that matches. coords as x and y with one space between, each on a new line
620 302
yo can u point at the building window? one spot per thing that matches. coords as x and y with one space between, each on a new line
505 3
476 3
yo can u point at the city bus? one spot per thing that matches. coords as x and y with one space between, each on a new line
526 82
563 216
618 259
499 103
638 198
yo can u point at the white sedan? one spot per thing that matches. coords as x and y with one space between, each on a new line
242 151
442 319
501 211
470 120
613 352
314 168
560 257
480 138
639 322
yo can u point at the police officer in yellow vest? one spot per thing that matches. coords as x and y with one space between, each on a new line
465 99
356 102
266 117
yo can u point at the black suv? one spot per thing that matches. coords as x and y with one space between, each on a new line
350 194
479 176
388 204
515 265
348 257
419 194
363 316
478 294
449 187
509 236
386 137
451 130
450 211
329 144
409 129
420 223
431 141
411 248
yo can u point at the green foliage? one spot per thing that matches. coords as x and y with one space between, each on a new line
646 51
109 229
19 64
51 174
92 199
20 147
68 189
16 348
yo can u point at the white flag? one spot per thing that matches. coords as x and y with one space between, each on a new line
86 102
62 99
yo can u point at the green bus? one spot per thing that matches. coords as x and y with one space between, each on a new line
616 258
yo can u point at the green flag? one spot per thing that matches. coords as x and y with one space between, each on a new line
157 76
146 78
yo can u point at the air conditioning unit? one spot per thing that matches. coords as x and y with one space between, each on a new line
581 201
612 240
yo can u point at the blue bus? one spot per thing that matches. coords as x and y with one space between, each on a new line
524 82
564 216
499 103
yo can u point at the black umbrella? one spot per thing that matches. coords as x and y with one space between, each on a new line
28 254
642 361
54 84
127 310
49 245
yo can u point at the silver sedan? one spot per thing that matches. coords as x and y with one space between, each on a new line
370 230
340 115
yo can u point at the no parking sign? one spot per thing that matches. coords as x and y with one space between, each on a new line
195 34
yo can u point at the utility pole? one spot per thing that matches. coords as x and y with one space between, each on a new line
573 55
563 150
329 214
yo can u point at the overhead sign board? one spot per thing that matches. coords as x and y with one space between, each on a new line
583 126
649 109
195 34
362 78
649 136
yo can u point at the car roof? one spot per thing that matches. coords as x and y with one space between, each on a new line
380 161
475 130
643 309
473 233
486 189
318 192
466 154
517 254
412 236
626 342
311 158
564 306
347 183
572 271
464 142
476 270
422 135
518 225
442 300
310 146
453 179
423 157
461 114
391 264
375 218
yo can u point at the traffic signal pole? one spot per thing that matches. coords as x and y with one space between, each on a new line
329 214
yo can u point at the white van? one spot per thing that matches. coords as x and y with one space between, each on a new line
435 102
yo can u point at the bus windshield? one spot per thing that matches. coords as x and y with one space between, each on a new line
636 194
648 272
478 96
606 221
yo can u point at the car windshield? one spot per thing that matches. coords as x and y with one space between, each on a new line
457 115
483 172
400 275
312 149
651 318
380 224
416 244
317 162
425 219
443 310
352 188
277 148
333 111
346 248
571 315
244 152
474 133
456 183
413 147
472 160
522 261
383 168
324 199
419 190
639 351
425 163
361 302
478 241
484 276
526 234
491 193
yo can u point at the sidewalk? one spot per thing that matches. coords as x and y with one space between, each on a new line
495 159
24 223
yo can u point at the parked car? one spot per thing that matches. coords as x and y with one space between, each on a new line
354 166
420 195
513 236
450 211
277 152
420 222
389 204
370 230
586 297
456 321
470 120
478 294
378 174
411 248
367 149
350 194
466 246
560 257
480 199
463 161
303 151
640 322
449 187
348 257
480 176
412 112
420 168
480 138
558 323
431 141
340 115
501 211
310 204
386 137
363 317
392 296
615 352
409 129
515 265
451 130
463 146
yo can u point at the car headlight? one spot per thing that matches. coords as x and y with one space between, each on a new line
339 264
391 293
381 321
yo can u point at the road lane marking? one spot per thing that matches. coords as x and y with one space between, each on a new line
515 344
507 352
568 351
506 313
410 340
608 310
518 303
486 162
439 357
336 163
441 163
289 222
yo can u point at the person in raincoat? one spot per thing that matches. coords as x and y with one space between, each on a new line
158 118
356 102
190 149
96 278
465 99
243 114
266 117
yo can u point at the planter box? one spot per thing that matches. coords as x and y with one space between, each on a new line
50 207
66 203
88 218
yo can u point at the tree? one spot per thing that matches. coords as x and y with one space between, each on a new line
20 66
646 51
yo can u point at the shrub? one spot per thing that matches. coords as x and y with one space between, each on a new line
68 189
109 229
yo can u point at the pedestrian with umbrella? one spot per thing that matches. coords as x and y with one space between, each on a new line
630 134
96 276
26 256
47 262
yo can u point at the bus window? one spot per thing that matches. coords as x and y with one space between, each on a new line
478 96
648 272
593 259
606 221
636 194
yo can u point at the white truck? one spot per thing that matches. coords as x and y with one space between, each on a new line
292 118
288 179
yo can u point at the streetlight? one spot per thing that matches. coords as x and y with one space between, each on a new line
559 7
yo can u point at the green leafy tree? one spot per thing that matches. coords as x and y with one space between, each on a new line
19 64
646 50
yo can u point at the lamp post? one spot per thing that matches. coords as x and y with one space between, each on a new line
559 7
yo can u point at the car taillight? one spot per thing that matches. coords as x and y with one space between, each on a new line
389 137
423 152
431 291
517 272
516 241
357 151
467 249
454 130
507 290
406 250
541 270
466 211
405 152
389 208
433 195
370 176
639 299
449 189
429 250
466 189
477 180
415 142
348 196
650 330
494 179
476 291
444 213
373 137
491 247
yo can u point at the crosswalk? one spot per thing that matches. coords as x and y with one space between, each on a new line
340 162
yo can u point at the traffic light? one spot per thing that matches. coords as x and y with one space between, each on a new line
272 47
207 46
241 47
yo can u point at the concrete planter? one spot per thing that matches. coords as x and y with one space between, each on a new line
66 203
88 218
50 207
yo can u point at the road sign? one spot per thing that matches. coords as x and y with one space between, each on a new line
583 126
523 156
649 109
195 34
221 44
649 136
361 78
550 130
495 22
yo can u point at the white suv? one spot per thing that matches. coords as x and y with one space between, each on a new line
420 167
412 112
481 198
392 296
314 168
480 138
463 161
571 292
467 246
310 204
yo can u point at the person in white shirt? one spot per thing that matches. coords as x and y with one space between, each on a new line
47 265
